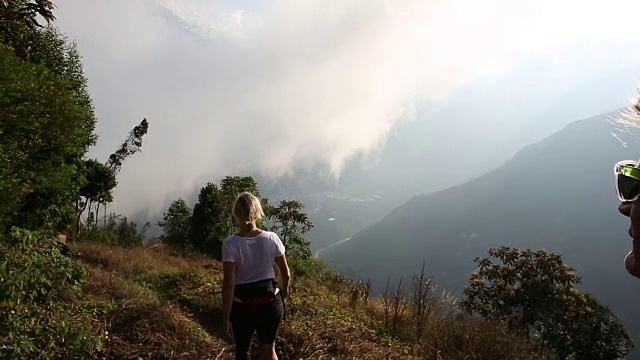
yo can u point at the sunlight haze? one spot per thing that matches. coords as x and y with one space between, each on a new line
318 81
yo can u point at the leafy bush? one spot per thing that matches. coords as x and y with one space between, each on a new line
37 283
536 292
309 267
47 125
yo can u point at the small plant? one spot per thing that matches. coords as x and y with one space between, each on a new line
423 301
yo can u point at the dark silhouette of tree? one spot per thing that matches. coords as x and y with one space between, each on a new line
100 182
20 28
131 145
211 220
27 11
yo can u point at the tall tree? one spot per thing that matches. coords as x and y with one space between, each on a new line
98 188
205 227
131 145
230 188
44 132
212 221
176 223
536 292
47 121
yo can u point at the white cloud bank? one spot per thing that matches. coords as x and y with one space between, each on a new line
232 85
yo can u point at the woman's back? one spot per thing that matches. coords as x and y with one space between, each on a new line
254 256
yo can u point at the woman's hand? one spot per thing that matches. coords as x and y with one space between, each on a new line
632 260
227 330
284 291
228 281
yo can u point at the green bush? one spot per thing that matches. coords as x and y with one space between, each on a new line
309 267
47 125
37 286
537 293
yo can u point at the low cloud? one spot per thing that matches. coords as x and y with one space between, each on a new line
247 85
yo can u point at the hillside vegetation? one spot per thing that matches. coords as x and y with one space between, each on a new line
160 303
78 283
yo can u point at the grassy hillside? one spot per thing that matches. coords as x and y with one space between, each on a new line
156 303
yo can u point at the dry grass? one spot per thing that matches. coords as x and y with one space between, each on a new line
157 303
160 331
147 289
144 260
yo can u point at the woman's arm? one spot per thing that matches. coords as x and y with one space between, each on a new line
281 261
228 283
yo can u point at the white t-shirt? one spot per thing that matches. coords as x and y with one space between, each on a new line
253 256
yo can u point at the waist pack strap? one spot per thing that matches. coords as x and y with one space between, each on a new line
256 290
259 301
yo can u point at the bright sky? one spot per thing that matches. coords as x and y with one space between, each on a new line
232 85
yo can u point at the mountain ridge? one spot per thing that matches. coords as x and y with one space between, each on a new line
557 194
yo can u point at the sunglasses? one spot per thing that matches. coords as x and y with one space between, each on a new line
627 180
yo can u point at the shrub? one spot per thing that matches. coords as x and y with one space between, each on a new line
37 284
536 293
312 268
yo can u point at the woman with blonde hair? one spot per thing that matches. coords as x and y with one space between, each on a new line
252 301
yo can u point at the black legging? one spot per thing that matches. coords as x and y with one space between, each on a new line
264 319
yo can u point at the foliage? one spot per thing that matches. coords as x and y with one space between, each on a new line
100 182
289 220
105 179
205 229
51 49
212 221
176 223
230 188
47 122
298 247
37 283
307 267
602 334
118 230
537 292
18 22
26 12
44 131
131 145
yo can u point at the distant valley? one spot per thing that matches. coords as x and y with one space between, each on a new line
499 117
557 194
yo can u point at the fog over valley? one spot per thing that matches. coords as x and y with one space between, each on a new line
391 89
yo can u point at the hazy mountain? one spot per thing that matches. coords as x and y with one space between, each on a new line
499 117
557 194
482 123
